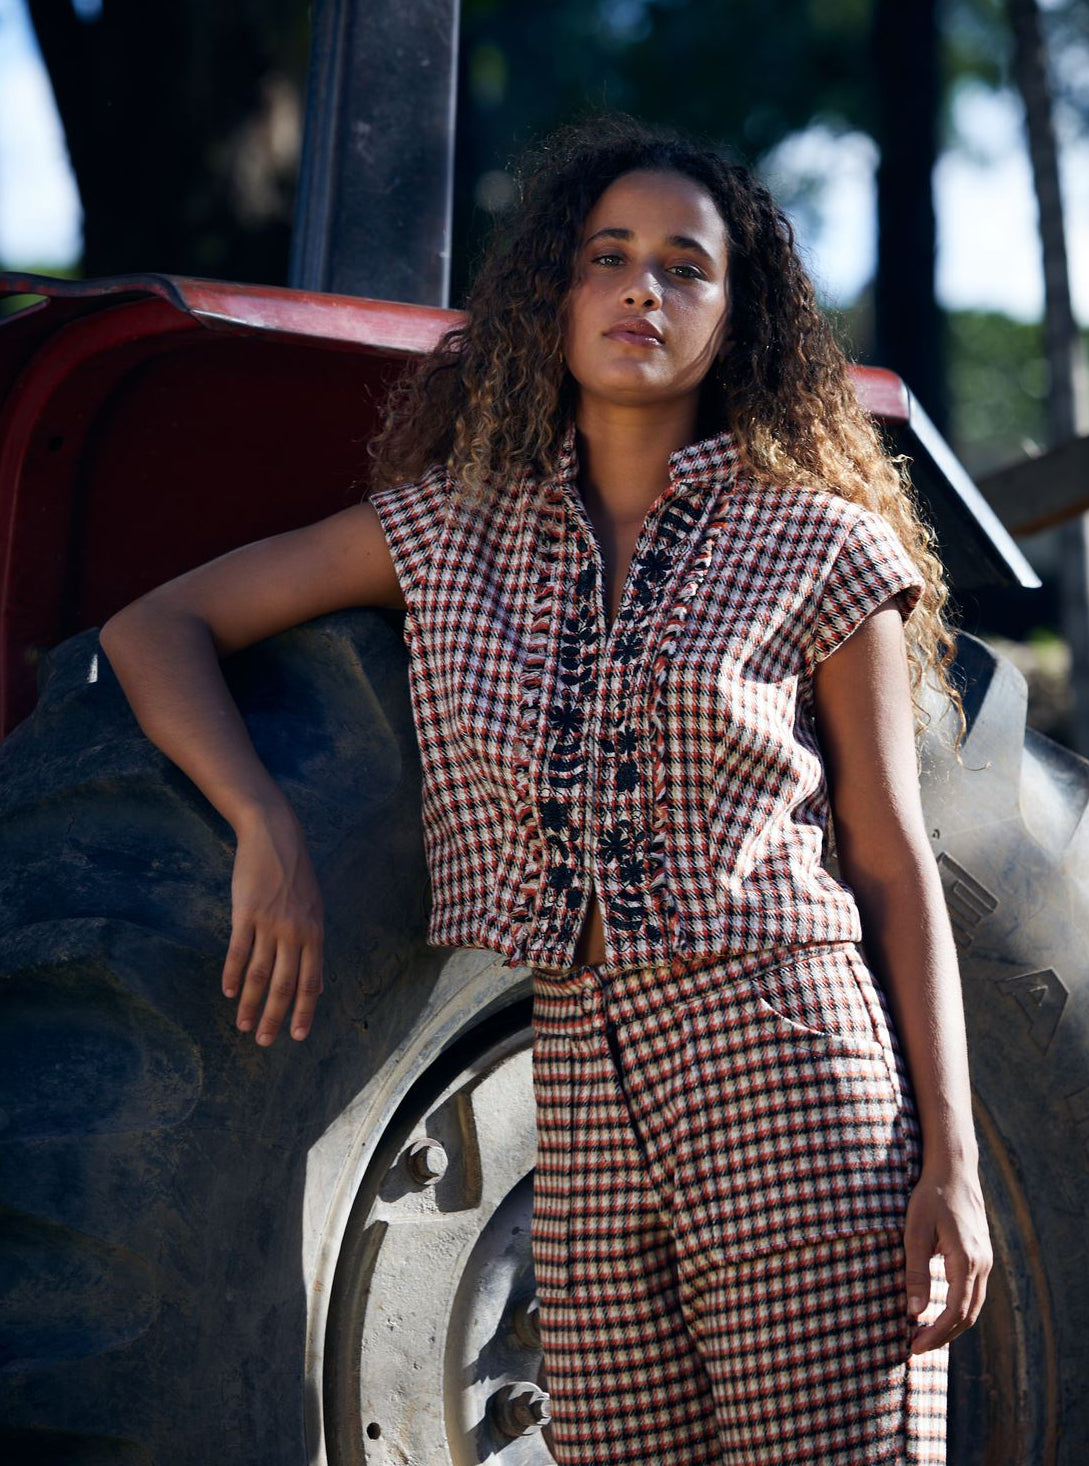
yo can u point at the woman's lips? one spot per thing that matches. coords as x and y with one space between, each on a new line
638 338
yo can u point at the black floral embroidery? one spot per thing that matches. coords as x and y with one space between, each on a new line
615 844
654 568
560 878
627 775
553 814
566 718
602 681
574 658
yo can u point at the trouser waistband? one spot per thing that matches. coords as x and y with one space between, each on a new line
590 996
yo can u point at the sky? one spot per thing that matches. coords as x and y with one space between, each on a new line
988 251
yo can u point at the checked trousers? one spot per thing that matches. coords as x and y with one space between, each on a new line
725 1151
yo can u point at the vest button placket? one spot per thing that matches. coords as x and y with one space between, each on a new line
667 647
590 764
527 886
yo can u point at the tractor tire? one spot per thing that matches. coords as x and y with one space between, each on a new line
320 1252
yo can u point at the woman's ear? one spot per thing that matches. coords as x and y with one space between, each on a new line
724 343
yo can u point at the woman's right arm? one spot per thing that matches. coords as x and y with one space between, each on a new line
165 649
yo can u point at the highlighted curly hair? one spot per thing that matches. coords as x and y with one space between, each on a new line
493 399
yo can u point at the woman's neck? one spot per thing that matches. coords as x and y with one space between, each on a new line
623 455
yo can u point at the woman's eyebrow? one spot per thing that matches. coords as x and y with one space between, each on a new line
683 241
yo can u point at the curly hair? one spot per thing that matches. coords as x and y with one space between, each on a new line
493 398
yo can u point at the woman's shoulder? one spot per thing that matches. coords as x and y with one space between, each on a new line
433 480
811 510
421 502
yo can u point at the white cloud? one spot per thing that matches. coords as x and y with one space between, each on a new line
825 182
988 248
988 245
40 213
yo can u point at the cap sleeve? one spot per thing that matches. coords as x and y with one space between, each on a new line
412 515
870 566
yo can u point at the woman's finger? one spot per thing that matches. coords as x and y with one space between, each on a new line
975 1303
309 990
918 1249
980 1296
258 974
238 953
281 991
961 1278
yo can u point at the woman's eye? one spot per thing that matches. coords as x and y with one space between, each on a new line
692 271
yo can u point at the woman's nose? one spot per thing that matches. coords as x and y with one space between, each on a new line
643 291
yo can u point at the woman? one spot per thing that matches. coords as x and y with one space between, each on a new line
667 606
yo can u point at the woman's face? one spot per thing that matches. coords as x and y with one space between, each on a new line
653 256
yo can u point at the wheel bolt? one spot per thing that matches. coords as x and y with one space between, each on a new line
427 1161
520 1409
527 1322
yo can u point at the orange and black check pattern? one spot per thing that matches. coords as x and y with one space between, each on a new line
671 760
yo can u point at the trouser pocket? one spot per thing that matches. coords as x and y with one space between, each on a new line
794 1126
821 991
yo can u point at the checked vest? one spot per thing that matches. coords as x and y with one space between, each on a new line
671 760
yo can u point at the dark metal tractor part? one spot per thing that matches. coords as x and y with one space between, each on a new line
320 1253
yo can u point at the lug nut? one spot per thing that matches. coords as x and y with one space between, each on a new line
527 1322
519 1409
427 1161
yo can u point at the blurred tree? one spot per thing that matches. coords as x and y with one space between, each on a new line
998 388
1068 396
183 124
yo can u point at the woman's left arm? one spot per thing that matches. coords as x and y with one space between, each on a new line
864 721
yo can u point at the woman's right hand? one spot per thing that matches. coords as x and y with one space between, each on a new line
166 648
275 952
